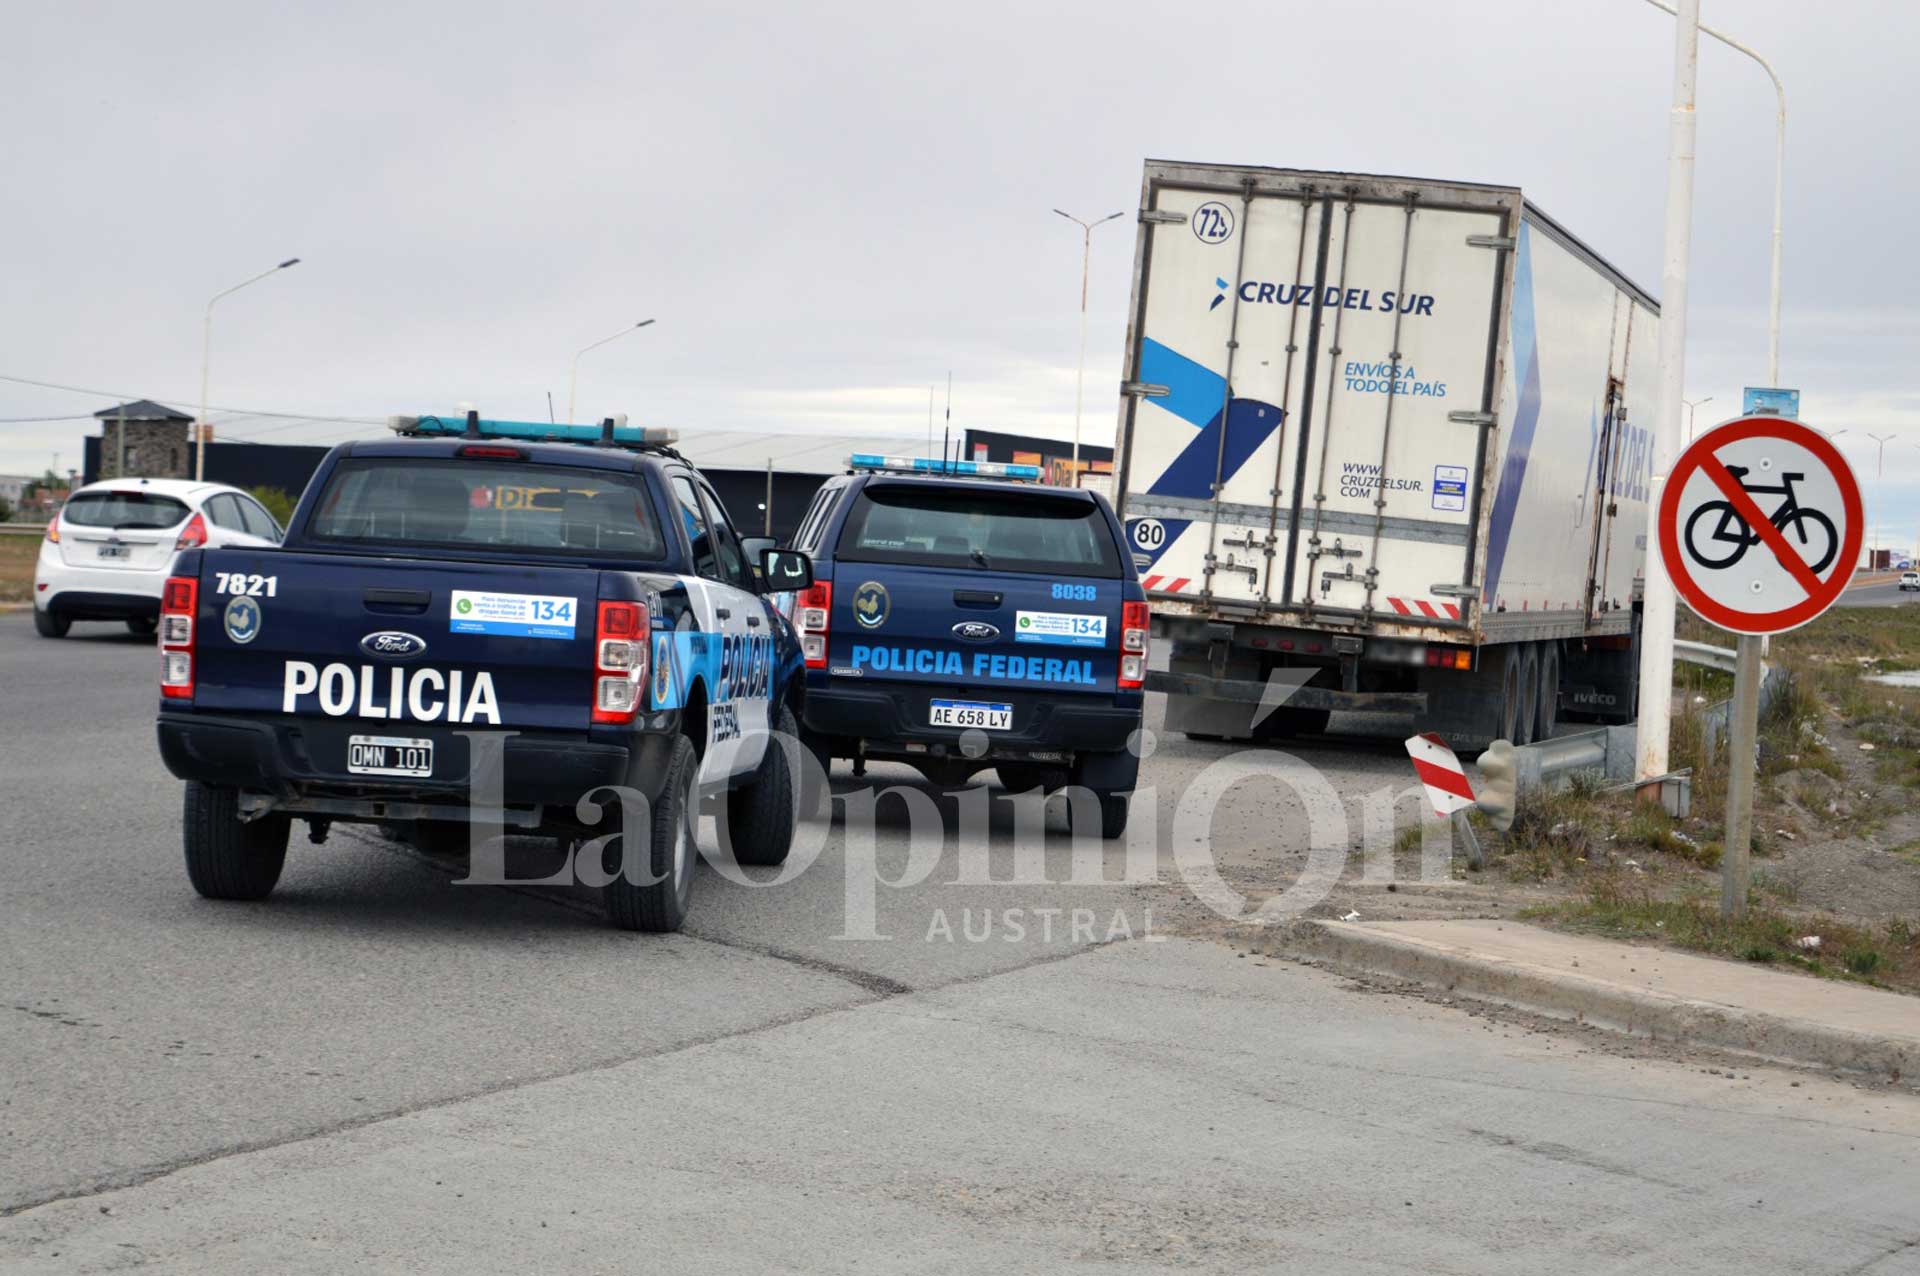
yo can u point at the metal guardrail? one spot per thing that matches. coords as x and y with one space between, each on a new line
23 529
1700 653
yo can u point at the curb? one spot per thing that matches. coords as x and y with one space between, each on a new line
1639 1012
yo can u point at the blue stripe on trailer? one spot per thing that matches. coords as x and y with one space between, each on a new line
1526 361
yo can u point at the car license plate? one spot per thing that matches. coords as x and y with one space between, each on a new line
972 713
389 755
116 551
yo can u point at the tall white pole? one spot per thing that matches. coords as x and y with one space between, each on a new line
573 378
1080 378
206 361
1879 488
1779 185
1657 610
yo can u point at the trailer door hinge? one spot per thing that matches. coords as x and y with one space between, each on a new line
1499 243
1471 418
1144 390
1154 217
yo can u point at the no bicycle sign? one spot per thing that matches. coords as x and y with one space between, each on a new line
1760 525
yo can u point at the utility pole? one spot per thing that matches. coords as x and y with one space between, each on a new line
1080 378
1657 609
1879 469
200 427
573 378
1691 405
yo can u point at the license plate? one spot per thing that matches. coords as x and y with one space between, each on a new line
116 551
389 755
972 713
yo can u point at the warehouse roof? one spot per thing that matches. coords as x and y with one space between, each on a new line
793 453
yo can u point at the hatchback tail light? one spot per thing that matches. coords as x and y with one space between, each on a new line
812 620
179 602
620 646
1133 644
193 535
53 529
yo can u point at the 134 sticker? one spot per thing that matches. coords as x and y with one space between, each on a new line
242 583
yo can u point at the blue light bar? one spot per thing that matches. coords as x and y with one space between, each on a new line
531 431
934 465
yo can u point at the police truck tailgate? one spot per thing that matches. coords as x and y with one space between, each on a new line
396 646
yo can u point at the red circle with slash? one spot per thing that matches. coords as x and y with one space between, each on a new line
1702 459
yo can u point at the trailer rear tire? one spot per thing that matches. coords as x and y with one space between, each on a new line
1509 719
1527 712
1547 718
1294 723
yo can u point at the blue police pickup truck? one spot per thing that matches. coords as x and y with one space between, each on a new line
482 607
962 617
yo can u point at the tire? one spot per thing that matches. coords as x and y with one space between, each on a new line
49 625
1509 717
143 627
1024 777
1110 812
760 814
661 906
1526 714
227 859
1547 716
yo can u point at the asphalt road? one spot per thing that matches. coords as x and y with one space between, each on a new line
380 1068
1884 594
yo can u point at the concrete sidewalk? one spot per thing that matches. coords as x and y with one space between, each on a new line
1653 992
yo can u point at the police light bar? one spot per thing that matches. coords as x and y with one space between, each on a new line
934 465
617 432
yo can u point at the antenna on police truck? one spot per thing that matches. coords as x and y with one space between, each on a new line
947 429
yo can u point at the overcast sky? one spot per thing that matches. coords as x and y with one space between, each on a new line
826 207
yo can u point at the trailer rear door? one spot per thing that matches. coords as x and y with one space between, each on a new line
1317 366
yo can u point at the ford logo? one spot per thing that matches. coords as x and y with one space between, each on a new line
392 644
976 631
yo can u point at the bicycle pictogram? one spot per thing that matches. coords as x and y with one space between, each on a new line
1730 529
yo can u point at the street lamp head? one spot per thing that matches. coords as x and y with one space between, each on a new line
291 261
1110 216
643 323
1069 216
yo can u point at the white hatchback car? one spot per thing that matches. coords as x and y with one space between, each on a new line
1909 580
108 553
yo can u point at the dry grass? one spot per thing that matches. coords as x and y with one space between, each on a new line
1628 906
17 557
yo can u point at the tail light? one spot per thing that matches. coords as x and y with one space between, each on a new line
53 529
620 646
1450 657
179 602
193 535
1133 644
813 613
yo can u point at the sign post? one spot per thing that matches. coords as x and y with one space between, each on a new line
1760 527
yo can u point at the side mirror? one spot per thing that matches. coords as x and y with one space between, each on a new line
785 569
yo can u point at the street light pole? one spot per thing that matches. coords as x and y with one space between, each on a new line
1657 607
573 379
1691 405
206 363
1080 379
1879 469
1779 186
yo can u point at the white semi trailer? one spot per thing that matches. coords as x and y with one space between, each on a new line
1390 438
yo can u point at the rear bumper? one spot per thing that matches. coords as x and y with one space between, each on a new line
892 719
97 593
278 756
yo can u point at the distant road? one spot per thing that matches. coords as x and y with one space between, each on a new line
1881 589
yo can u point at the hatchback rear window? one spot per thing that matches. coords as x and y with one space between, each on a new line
1022 530
124 511
490 504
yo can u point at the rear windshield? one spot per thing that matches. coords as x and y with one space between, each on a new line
124 510
1018 531
487 504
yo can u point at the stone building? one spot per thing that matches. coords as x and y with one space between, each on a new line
156 441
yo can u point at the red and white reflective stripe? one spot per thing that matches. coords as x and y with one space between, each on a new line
1406 607
1441 773
1167 584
